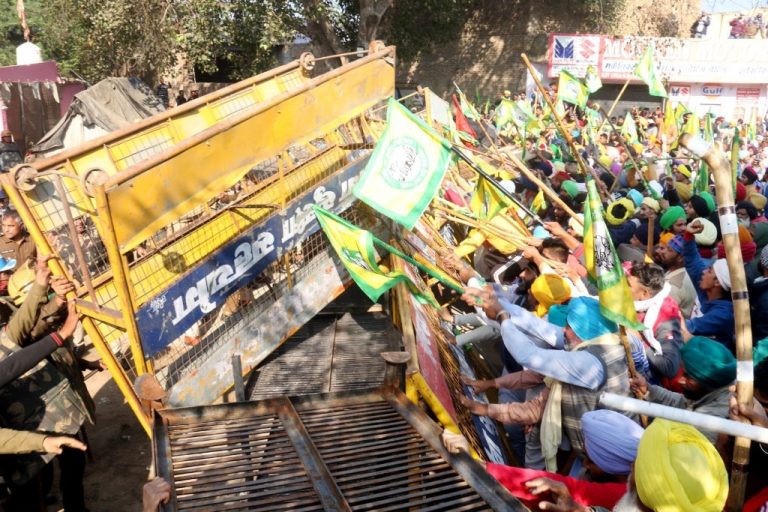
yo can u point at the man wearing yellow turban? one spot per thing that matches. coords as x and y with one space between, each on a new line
664 478
677 470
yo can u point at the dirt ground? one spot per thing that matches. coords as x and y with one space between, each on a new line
121 451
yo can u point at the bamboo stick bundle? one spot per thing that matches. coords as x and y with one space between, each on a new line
513 238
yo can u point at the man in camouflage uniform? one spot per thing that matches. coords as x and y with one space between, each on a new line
50 398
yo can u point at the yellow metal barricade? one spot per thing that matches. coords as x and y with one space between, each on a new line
182 231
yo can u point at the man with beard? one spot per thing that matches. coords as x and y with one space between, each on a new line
594 361
662 478
610 441
713 290
709 370
670 257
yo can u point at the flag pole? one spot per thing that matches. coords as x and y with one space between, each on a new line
558 120
616 101
495 183
626 148
415 263
740 297
521 167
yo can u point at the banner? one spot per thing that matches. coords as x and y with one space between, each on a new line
732 61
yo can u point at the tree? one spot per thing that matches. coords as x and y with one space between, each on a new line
11 34
94 39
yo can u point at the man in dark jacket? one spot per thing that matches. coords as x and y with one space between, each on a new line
715 319
758 299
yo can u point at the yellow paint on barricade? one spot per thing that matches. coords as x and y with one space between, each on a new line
162 212
189 174
418 383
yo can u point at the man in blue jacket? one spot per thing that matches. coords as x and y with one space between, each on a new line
713 287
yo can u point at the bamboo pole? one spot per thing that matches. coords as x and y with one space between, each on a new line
447 206
483 226
616 101
623 143
559 122
551 194
745 368
495 183
649 242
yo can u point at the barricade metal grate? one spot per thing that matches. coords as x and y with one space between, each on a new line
370 450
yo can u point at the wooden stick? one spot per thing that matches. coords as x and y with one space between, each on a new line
649 242
484 224
630 364
488 228
551 194
560 125
450 207
460 153
616 101
745 371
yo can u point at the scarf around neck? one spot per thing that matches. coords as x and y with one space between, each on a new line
652 307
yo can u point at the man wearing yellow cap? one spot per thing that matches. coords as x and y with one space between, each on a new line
683 182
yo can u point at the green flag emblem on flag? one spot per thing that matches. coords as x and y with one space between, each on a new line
647 72
603 265
405 169
592 79
354 247
571 89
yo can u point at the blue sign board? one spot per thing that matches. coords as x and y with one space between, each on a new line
200 291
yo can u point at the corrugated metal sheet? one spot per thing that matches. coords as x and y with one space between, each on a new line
329 353
340 451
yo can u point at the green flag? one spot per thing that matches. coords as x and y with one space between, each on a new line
354 247
487 200
405 169
647 72
691 126
466 107
603 265
504 114
592 79
702 178
571 89
629 129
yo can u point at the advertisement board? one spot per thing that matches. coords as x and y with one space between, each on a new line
733 61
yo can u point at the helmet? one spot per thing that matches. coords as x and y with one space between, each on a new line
20 283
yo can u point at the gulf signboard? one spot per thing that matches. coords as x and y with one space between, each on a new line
712 90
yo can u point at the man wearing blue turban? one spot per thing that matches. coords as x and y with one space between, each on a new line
593 362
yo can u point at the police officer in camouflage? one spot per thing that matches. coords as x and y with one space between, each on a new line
50 398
